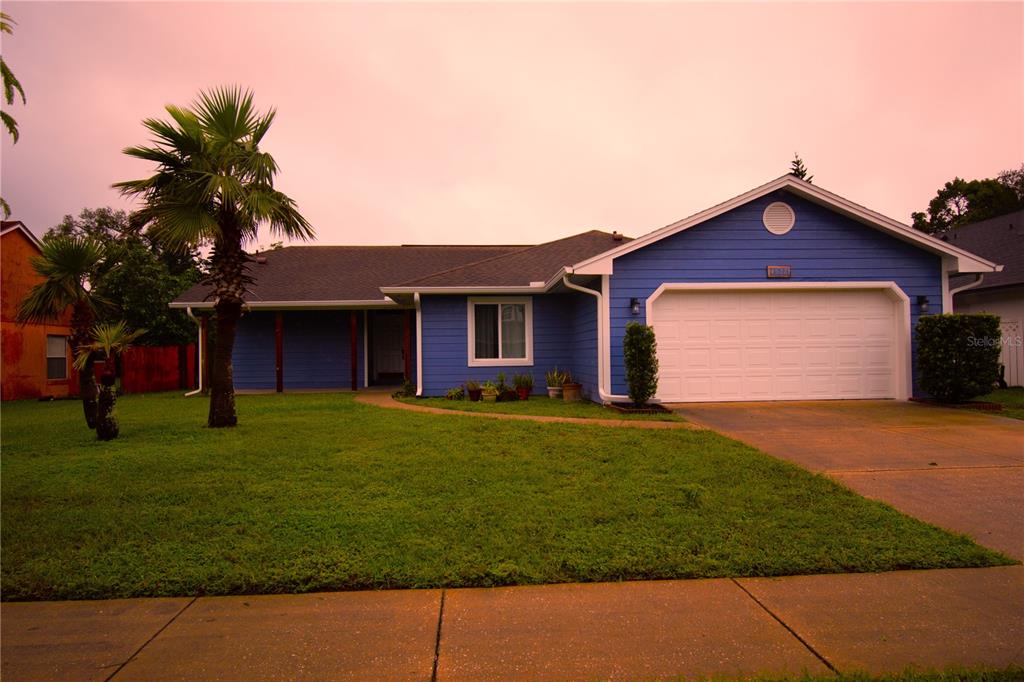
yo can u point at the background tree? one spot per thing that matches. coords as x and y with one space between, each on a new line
215 187
962 202
139 277
10 85
69 266
797 168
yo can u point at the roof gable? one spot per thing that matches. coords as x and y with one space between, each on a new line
9 226
963 260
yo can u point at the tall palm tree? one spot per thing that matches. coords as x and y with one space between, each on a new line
68 266
214 187
10 86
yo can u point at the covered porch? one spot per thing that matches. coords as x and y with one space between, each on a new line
288 349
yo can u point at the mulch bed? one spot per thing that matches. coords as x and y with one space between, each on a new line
629 408
969 405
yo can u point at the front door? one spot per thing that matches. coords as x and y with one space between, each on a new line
388 364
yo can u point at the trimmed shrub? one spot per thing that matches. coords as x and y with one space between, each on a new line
640 353
958 355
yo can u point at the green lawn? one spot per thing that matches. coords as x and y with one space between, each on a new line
1012 400
540 405
318 492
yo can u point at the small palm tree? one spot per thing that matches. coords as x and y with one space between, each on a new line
215 187
111 340
68 266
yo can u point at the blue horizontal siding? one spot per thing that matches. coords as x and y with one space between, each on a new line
316 345
556 342
254 357
735 247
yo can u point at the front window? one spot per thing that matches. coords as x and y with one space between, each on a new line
56 357
500 331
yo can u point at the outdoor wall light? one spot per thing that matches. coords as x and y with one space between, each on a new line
634 306
922 304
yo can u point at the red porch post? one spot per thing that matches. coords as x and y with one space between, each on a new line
279 349
354 350
204 353
407 344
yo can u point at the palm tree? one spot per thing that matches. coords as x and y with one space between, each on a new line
10 86
111 340
68 266
214 187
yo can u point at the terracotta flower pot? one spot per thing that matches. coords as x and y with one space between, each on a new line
524 392
572 391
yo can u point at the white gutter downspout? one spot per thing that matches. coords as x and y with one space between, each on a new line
419 345
969 285
602 380
199 354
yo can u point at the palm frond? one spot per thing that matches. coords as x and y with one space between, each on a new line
10 124
5 208
110 339
10 83
6 23
66 264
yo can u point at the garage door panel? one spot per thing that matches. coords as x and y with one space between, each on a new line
775 345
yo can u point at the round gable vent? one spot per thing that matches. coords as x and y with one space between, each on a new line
778 218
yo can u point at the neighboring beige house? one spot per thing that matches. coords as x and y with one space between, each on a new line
999 293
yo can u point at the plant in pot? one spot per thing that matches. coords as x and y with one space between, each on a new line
506 394
489 392
523 384
456 393
571 390
473 391
555 379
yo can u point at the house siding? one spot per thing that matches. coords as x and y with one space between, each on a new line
253 359
556 342
316 350
584 344
735 247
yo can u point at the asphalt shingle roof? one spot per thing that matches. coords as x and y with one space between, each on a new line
1000 240
346 273
357 273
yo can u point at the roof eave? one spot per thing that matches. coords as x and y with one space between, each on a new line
294 305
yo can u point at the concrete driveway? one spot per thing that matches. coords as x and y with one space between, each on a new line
958 469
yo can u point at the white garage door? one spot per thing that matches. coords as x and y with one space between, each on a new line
779 345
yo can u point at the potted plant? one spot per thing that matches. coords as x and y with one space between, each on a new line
506 394
456 393
554 380
523 384
473 391
489 392
571 390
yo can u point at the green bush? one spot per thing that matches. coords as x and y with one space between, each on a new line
640 353
958 355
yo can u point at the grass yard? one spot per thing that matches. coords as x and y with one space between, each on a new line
539 405
1012 400
318 492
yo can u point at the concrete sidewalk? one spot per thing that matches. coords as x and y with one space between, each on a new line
640 630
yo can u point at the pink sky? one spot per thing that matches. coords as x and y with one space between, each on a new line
522 123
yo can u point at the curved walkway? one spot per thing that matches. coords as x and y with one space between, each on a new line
380 399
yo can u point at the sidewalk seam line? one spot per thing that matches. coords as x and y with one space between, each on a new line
437 639
786 625
935 468
146 643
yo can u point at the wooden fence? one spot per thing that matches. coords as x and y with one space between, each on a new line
157 368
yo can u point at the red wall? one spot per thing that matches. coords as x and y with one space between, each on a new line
150 368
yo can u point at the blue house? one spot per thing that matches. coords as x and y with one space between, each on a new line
787 292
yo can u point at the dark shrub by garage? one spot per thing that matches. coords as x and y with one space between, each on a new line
958 355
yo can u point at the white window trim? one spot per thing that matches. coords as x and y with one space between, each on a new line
527 302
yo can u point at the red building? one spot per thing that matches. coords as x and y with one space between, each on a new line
36 359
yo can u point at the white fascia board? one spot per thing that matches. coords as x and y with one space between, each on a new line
601 264
462 290
298 305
